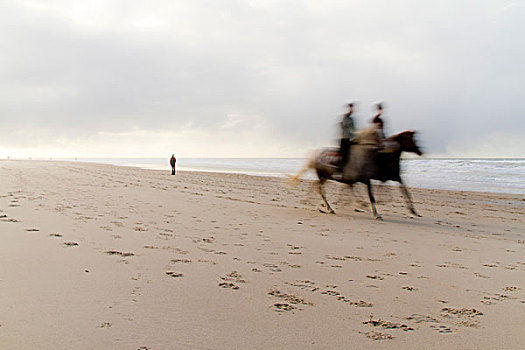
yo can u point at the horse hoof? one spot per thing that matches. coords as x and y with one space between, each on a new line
413 211
379 218
324 211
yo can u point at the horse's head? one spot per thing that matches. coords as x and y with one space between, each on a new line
407 142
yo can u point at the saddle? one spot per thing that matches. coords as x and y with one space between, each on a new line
331 158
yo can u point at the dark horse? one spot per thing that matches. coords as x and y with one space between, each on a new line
367 162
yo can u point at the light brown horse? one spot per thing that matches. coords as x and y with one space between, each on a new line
367 161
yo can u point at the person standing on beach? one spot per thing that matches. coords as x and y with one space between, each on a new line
173 160
348 133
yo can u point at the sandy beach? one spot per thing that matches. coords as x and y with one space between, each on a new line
104 257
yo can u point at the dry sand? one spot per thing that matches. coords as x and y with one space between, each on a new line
104 257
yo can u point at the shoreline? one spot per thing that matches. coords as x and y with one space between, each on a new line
309 175
121 257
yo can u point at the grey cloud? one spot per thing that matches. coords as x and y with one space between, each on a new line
445 69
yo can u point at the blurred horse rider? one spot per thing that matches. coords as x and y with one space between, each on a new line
348 133
378 121
173 160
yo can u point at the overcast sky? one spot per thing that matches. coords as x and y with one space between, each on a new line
257 78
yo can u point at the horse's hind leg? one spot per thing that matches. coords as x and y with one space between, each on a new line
356 199
373 201
320 188
410 205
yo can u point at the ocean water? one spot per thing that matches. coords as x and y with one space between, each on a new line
482 175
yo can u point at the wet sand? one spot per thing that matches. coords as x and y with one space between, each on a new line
106 257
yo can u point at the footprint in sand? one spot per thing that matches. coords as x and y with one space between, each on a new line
55 235
422 318
174 274
304 284
375 277
477 274
289 301
441 329
388 325
342 298
451 265
463 312
490 265
32 230
116 252
233 276
70 244
208 239
281 307
410 289
272 267
492 299
9 220
228 285
378 335
184 261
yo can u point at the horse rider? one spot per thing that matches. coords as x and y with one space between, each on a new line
378 121
348 133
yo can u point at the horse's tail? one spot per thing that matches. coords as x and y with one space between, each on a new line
310 164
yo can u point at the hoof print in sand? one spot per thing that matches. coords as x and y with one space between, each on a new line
32 229
55 235
174 274
70 244
105 325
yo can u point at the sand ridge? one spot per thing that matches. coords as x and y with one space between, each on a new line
99 256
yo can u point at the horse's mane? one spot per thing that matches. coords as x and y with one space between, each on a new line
401 134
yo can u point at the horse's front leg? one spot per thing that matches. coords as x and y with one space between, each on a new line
410 205
373 201
321 192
